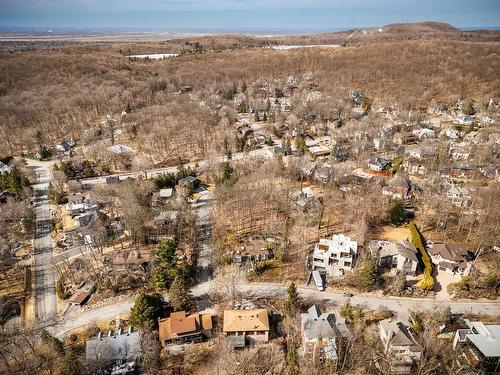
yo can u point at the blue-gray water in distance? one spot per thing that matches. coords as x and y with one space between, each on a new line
189 30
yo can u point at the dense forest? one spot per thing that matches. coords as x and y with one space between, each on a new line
47 94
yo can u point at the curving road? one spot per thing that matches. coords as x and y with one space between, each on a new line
78 318
44 271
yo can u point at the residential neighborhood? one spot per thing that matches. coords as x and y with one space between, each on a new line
262 203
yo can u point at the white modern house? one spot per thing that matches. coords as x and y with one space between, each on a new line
478 346
336 256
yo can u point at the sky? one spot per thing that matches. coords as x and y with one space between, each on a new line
301 15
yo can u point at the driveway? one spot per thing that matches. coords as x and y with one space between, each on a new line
443 279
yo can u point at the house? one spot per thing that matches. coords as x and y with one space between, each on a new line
189 182
166 218
414 166
115 348
65 145
252 254
478 346
398 187
460 170
241 326
320 150
400 345
306 199
321 334
460 151
379 164
180 328
450 133
324 173
335 256
395 255
80 203
160 197
421 152
491 171
464 120
451 258
459 195
423 133
404 138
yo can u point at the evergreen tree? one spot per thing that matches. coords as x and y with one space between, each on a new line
292 303
179 294
146 310
369 275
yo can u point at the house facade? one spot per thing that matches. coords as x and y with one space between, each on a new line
336 256
395 255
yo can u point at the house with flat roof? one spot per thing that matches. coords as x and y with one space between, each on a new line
336 256
180 328
242 326
321 334
400 346
478 346
395 255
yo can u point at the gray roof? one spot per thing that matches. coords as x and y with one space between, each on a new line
383 249
317 325
114 348
400 334
485 337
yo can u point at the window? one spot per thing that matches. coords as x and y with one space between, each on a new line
347 264
319 260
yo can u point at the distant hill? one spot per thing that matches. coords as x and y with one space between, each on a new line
420 27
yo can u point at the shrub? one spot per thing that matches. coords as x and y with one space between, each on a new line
416 238
61 291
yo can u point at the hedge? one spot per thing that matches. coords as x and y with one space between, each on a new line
416 238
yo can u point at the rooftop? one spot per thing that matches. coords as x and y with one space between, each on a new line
485 337
246 320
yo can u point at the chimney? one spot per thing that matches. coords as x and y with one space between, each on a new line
129 330
99 335
120 331
110 333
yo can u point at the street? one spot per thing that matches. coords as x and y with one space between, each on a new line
44 271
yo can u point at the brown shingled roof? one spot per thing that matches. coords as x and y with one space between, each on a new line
246 320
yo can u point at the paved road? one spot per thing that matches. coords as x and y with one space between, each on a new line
44 271
399 306
204 210
264 152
